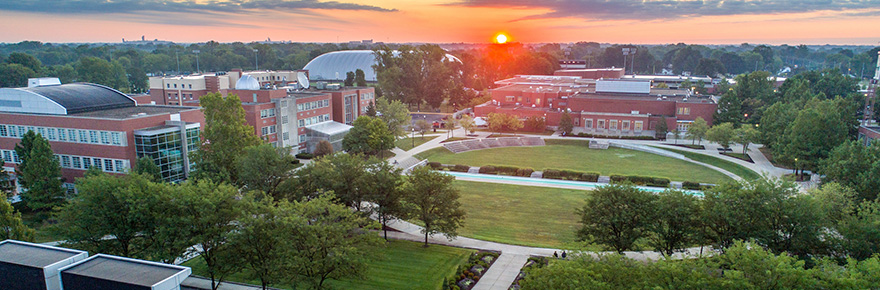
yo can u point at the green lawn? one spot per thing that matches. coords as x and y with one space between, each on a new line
406 144
405 265
522 215
575 155
734 168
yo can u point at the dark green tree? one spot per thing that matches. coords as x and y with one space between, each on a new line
25 60
147 167
360 78
566 125
855 166
265 168
368 136
349 79
434 202
394 114
39 173
15 75
661 129
386 191
860 232
616 216
676 221
11 226
225 136
722 134
371 109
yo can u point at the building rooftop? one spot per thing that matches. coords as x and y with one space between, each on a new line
681 97
33 255
134 112
329 128
124 270
83 97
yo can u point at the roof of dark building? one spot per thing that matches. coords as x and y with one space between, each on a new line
134 112
36 256
123 270
84 97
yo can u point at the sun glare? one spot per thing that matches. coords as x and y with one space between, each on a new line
501 38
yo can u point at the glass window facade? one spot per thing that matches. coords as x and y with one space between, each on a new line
165 147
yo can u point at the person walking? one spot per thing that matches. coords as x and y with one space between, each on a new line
555 255
563 254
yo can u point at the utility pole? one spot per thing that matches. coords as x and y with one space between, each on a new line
256 60
178 61
198 69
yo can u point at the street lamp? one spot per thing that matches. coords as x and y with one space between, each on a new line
198 69
413 138
256 60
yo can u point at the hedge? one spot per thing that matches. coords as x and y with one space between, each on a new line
587 135
304 155
641 180
571 175
691 185
488 169
460 168
435 165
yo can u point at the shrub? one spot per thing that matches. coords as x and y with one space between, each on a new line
691 185
659 182
552 174
641 180
590 177
524 172
488 169
435 165
461 168
304 156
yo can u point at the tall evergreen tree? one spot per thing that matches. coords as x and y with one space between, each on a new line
40 176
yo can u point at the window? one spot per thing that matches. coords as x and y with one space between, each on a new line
168 86
117 138
93 136
684 111
299 107
286 135
612 125
308 106
588 123
13 132
265 130
509 98
7 156
65 161
638 126
72 134
87 162
284 120
683 127
62 134
302 138
190 86
175 86
77 162
41 131
21 131
267 113
3 132
625 125
29 128
105 137
601 124
301 122
108 165
97 163
326 103
50 134
119 166
84 136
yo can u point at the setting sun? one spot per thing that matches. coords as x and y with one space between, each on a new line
501 38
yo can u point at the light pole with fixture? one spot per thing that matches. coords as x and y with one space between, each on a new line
198 69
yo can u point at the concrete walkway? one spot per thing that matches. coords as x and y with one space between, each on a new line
503 272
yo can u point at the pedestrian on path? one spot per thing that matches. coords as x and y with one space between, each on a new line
555 255
563 254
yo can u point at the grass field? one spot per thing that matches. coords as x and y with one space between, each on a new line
405 265
406 144
574 155
734 168
522 215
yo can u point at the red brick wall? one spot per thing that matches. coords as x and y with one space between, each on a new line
622 106
252 116
704 110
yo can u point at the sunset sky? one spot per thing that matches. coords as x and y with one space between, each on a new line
615 21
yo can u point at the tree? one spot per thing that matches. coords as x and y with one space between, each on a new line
422 126
434 202
855 166
565 123
262 234
25 60
745 135
349 79
11 226
265 168
368 136
722 134
147 167
709 67
323 148
371 109
661 129
39 173
395 114
114 206
816 130
676 222
208 212
226 135
449 124
15 75
677 134
860 232
467 123
330 242
616 216
416 75
360 78
386 190
697 130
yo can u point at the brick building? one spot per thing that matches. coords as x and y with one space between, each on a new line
598 106
179 90
868 134
90 125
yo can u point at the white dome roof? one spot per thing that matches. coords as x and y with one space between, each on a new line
247 82
333 66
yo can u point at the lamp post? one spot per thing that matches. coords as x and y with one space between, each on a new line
256 60
413 138
198 69
795 169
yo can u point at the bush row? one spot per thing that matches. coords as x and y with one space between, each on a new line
304 156
571 175
641 180
456 167
588 135
506 170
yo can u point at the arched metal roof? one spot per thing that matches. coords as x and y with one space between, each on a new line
333 66
84 97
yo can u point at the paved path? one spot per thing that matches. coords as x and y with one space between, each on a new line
503 272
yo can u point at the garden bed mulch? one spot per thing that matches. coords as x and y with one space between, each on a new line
468 274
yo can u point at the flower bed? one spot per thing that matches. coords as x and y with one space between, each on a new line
470 273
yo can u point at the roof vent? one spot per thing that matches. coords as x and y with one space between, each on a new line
40 82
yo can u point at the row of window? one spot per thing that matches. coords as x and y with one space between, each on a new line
367 96
175 86
267 113
77 162
612 124
684 111
314 120
312 105
65 135
268 130
184 96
